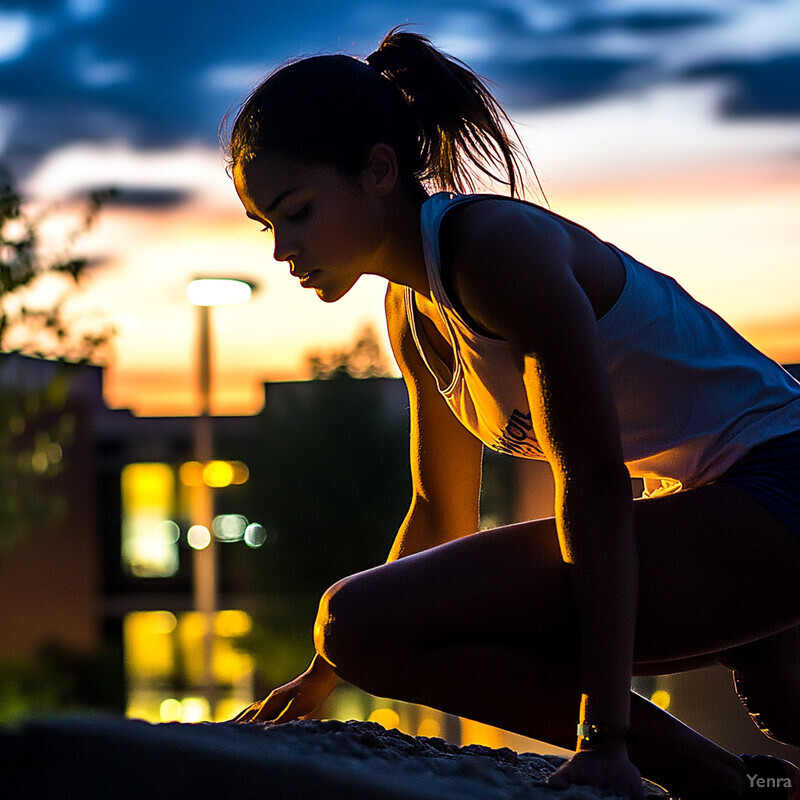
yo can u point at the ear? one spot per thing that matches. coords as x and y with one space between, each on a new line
380 176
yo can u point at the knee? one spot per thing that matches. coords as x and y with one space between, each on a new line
339 626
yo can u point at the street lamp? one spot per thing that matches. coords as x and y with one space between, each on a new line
204 294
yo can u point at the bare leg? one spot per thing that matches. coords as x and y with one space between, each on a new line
485 627
455 679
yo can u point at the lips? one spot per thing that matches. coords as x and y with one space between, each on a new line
305 277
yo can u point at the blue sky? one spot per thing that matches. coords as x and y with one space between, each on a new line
670 127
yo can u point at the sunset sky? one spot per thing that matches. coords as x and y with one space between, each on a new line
670 128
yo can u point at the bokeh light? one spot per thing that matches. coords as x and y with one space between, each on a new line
169 531
218 474
218 291
170 710
194 709
232 622
254 535
386 717
229 527
191 473
241 472
199 537
661 698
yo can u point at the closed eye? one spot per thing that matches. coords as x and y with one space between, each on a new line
300 215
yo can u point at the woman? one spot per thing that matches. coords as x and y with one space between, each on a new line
516 328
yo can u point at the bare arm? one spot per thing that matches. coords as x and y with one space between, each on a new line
445 457
514 274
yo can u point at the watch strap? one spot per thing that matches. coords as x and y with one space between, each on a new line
596 733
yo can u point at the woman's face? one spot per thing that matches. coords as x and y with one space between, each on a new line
327 226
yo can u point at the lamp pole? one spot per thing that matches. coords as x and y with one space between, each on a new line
204 293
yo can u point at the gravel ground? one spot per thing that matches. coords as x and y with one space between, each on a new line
110 758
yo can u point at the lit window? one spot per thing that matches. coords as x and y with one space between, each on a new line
149 536
164 666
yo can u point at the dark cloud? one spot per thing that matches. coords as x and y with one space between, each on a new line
770 87
547 82
134 70
154 55
644 22
134 197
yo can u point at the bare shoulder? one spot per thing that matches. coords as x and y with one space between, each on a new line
400 337
510 259
507 224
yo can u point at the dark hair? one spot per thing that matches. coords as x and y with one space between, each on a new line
437 114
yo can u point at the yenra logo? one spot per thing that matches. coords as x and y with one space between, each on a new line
769 783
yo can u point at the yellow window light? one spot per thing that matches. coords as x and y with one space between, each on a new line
163 650
191 628
149 651
232 622
148 535
229 665
147 485
191 473
218 474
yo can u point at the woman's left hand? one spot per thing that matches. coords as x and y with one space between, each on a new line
607 769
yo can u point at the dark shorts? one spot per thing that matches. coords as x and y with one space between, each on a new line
770 473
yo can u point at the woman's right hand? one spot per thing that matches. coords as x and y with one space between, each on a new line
296 699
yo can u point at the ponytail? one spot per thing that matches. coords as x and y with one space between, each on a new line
457 116
442 122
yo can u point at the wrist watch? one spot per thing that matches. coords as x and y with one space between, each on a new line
594 733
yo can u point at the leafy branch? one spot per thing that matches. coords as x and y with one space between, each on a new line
36 327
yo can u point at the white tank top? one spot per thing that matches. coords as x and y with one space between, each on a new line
692 395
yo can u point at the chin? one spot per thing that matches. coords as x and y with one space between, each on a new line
326 297
332 294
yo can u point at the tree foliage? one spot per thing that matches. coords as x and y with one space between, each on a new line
42 328
362 359
36 426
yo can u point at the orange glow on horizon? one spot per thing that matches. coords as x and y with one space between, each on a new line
778 338
174 394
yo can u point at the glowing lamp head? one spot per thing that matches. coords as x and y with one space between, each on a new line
218 291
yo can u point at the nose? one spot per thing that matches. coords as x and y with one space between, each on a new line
285 250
